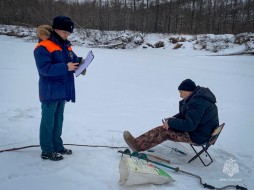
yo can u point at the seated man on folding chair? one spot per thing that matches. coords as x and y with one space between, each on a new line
194 124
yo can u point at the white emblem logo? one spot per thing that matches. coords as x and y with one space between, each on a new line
231 167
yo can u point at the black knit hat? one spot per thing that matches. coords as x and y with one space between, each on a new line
63 23
187 85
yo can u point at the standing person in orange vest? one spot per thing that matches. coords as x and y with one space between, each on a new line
56 64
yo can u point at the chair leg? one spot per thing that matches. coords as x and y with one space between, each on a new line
204 149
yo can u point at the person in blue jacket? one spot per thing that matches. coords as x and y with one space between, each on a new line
56 64
195 122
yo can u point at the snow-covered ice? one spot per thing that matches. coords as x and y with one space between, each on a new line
123 90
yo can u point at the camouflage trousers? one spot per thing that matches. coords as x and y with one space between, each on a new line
158 135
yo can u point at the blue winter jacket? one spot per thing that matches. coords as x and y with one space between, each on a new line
198 115
55 81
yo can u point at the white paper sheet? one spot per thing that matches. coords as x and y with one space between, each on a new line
85 63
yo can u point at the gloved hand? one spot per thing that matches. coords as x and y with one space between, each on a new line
83 72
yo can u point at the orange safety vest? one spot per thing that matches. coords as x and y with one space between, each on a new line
51 46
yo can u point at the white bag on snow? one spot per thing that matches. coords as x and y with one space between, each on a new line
134 171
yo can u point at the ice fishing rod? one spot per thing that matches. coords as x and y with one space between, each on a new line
85 145
143 156
173 149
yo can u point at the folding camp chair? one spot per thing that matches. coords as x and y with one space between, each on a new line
205 146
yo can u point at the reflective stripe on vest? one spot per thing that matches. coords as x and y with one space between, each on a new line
51 46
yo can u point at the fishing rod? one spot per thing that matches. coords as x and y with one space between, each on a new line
173 149
85 145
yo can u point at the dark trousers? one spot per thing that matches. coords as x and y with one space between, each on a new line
51 126
158 135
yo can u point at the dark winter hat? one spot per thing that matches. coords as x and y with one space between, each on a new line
63 23
187 85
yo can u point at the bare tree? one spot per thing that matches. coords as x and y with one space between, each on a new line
181 16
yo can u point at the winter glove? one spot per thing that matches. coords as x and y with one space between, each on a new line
43 31
83 72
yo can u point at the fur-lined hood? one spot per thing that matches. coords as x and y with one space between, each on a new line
44 31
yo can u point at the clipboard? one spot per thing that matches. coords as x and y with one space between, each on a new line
85 63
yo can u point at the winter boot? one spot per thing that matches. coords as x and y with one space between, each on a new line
51 156
65 151
131 141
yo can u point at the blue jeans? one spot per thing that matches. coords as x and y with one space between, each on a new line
51 126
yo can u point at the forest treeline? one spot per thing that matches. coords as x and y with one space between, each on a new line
162 16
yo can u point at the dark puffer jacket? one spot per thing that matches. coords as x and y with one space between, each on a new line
197 115
55 82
